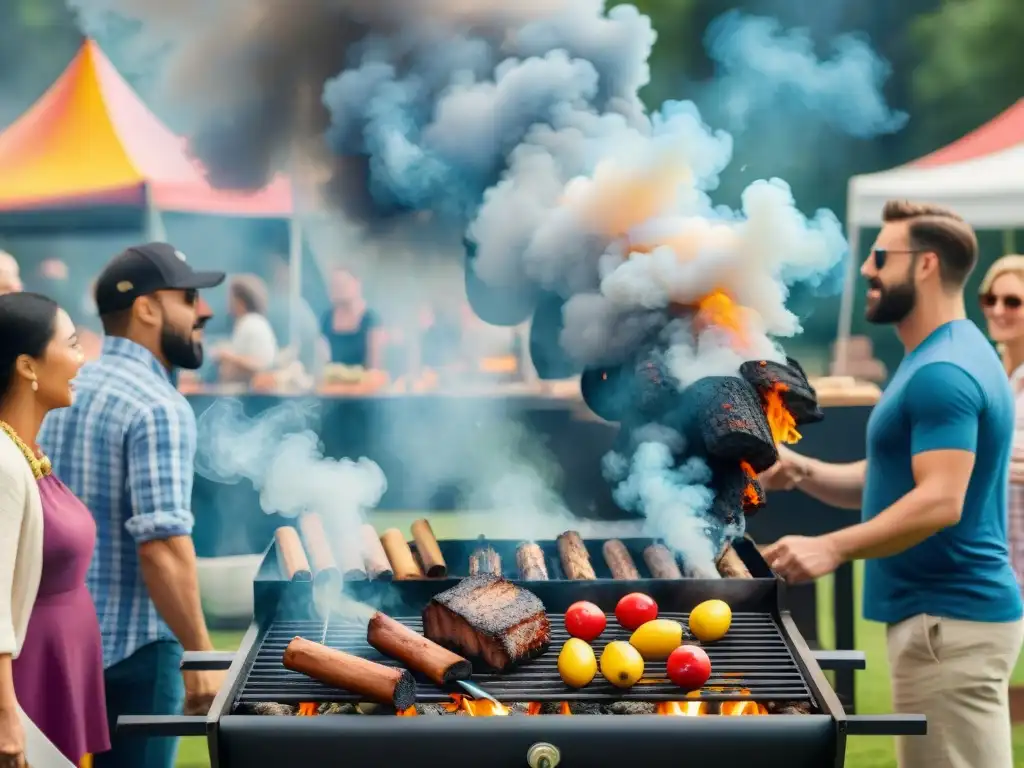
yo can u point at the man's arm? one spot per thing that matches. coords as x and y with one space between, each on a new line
838 485
943 405
161 449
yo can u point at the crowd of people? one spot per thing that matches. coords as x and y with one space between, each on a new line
98 585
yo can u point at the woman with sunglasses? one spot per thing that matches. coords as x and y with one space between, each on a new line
1002 301
51 659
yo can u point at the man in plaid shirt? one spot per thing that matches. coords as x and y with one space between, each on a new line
126 448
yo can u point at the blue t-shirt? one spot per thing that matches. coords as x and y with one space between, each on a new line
951 392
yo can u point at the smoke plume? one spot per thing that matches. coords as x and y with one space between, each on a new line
519 127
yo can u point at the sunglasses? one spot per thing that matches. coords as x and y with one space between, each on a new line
191 296
881 256
990 300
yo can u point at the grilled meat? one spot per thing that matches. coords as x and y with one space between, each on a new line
489 619
530 559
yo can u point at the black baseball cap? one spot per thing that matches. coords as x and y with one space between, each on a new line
145 269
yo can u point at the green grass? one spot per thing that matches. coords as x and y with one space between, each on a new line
873 695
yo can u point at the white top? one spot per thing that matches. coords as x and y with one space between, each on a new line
21 545
253 338
1017 384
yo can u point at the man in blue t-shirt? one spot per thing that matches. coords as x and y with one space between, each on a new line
932 491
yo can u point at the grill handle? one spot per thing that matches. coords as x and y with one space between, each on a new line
836 660
886 725
206 660
162 725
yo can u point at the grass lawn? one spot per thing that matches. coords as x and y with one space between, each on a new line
872 690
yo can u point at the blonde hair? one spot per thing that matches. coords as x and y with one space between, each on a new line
1011 264
941 230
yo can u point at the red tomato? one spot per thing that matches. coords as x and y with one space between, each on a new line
689 667
636 609
585 620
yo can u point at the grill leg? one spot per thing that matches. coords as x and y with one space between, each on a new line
845 632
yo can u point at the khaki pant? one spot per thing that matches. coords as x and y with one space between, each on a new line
957 674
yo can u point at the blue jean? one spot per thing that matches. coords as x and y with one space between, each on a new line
146 683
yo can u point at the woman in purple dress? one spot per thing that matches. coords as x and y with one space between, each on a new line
51 662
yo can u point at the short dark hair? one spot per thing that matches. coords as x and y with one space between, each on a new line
939 230
117 323
251 291
27 322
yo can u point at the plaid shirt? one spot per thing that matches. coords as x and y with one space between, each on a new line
126 449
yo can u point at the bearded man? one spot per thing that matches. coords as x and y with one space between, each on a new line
126 449
932 494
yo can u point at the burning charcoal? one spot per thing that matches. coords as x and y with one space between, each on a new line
336 708
518 708
725 414
584 708
372 708
737 493
631 708
787 384
271 708
551 708
484 560
788 708
530 560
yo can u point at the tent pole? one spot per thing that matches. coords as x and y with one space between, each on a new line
846 301
155 230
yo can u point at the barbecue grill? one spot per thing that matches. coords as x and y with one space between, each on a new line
763 661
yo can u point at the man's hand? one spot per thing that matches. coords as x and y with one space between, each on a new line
802 558
786 473
12 739
200 689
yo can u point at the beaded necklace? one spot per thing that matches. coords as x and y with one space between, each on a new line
40 464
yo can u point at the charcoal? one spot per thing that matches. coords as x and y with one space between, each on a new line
432 709
737 492
336 708
585 708
788 708
631 708
797 393
271 708
724 413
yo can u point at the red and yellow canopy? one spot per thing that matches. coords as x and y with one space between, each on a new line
90 141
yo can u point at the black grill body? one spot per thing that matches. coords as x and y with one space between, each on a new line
763 658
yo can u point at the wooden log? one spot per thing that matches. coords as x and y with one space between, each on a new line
403 564
530 561
731 566
375 559
349 552
575 560
620 563
428 549
291 557
325 567
416 652
661 562
484 559
373 681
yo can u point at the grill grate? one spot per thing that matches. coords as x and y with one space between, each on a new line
751 662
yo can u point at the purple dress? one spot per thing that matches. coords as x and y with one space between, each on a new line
58 677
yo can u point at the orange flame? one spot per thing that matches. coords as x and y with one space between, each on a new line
681 708
781 421
719 310
743 708
751 498
476 707
410 712
533 708
564 709
307 709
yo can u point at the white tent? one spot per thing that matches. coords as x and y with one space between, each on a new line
980 176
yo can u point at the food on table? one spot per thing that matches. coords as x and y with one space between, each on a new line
621 664
585 620
379 683
710 620
661 562
490 618
576 663
428 549
338 373
635 609
688 667
416 652
619 561
657 639
530 560
575 560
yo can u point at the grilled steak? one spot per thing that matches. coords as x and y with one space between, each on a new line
490 620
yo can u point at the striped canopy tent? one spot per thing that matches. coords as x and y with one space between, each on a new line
980 176
90 153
